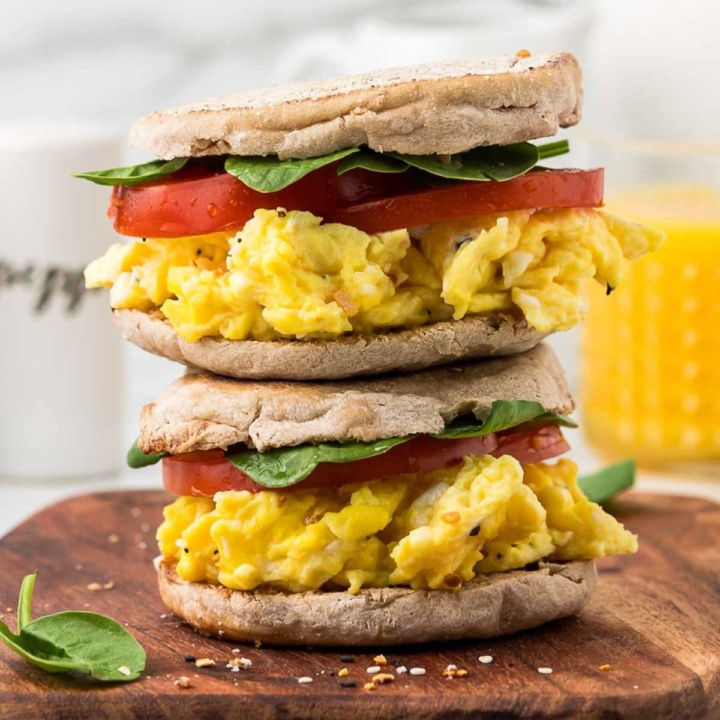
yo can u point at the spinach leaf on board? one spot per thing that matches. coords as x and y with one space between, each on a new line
270 174
136 458
74 641
134 174
602 485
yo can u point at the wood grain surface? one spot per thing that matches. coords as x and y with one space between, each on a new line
655 621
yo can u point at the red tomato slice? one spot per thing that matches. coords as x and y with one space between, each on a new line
537 189
198 201
192 203
205 473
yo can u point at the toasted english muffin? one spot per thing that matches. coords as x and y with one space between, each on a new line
437 108
342 357
202 411
488 606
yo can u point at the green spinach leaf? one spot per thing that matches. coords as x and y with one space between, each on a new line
552 149
505 414
287 466
497 162
284 467
376 162
609 481
74 641
134 174
136 458
270 174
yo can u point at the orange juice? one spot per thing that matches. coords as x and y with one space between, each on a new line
651 351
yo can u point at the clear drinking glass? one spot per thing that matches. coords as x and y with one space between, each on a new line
650 353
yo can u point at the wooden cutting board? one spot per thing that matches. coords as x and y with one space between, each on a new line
655 621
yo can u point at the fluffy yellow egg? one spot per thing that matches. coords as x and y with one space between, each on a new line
288 275
430 530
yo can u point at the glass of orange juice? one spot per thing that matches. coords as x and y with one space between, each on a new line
650 352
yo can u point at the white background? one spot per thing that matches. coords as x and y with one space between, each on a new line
651 70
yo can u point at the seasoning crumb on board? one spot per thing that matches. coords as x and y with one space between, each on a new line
382 678
380 660
606 666
183 682
96 586
453 671
401 670
204 662
344 672
113 539
369 686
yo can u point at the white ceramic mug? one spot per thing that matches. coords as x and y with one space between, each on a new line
60 366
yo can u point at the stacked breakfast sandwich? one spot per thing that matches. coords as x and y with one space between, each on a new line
358 274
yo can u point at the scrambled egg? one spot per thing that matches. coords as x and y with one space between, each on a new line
286 275
430 530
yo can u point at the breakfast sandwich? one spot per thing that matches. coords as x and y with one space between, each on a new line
389 510
389 221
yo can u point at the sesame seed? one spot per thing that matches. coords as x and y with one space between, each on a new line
401 670
485 659
545 671
113 539
125 670
236 650
348 683
305 680
373 669
604 667
347 659
190 658
417 671
344 672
